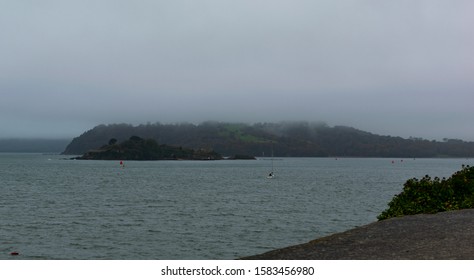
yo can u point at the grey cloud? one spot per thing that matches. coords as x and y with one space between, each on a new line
392 67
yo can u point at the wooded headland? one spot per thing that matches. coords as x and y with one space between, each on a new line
295 139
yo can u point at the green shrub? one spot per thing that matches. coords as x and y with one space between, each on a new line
433 195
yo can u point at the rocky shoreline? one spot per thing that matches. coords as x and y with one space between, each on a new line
442 236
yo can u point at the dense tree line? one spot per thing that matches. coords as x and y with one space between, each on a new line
296 139
137 148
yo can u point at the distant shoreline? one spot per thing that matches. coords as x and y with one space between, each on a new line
48 146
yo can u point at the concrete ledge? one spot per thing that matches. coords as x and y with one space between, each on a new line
446 235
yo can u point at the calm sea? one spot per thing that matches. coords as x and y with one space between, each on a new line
51 208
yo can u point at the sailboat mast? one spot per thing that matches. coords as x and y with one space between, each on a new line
271 175
272 157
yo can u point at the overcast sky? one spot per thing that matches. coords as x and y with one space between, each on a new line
401 68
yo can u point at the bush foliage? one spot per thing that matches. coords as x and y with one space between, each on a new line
433 195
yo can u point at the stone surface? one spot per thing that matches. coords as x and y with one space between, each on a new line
446 235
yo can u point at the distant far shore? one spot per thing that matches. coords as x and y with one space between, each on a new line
53 146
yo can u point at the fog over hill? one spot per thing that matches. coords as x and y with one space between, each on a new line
389 67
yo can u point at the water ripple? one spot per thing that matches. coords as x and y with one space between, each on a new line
60 209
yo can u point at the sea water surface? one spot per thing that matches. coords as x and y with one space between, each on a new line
56 208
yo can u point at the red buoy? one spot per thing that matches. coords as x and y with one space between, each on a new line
14 253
